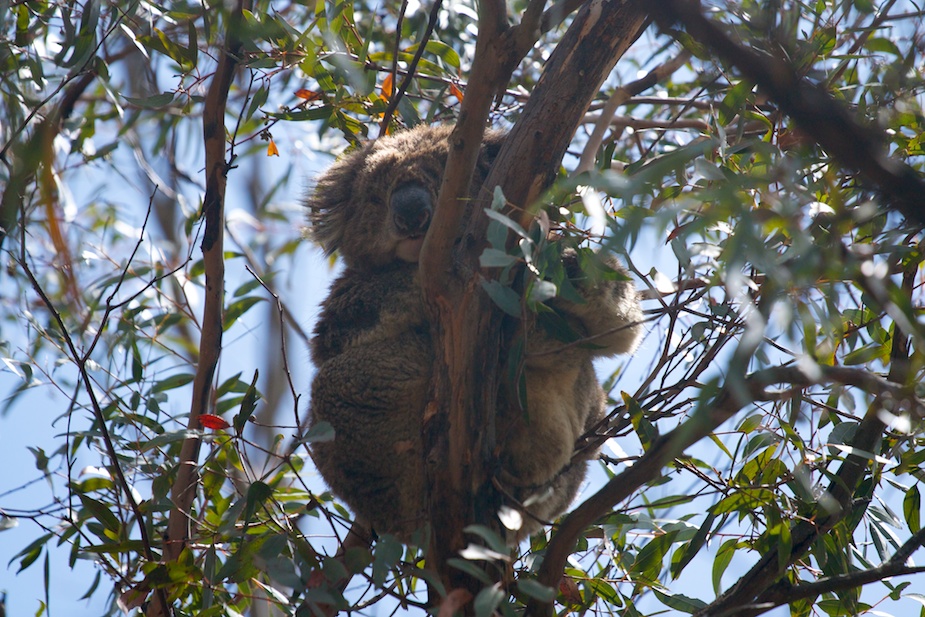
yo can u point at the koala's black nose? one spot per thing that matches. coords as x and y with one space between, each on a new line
411 209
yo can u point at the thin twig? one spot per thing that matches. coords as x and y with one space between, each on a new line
80 361
398 94
618 98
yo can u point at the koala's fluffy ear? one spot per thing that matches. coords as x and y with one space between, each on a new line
329 204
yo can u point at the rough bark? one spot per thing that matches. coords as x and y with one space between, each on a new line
459 426
465 330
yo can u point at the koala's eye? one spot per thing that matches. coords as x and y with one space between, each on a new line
411 206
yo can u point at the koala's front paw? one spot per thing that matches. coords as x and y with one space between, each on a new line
610 316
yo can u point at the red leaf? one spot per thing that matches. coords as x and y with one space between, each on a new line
208 420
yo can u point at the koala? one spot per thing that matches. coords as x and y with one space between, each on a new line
374 355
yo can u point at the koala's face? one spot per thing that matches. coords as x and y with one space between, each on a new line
375 204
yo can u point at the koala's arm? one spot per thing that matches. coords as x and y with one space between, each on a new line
563 397
608 322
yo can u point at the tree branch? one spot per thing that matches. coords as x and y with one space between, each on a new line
784 592
748 593
557 13
815 111
459 437
730 400
216 168
599 36
465 331
618 98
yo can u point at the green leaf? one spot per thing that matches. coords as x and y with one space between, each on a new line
257 494
41 459
386 554
781 539
649 560
31 552
734 101
173 382
693 547
441 50
744 500
679 602
721 562
258 100
469 568
505 297
238 308
488 600
494 258
248 405
102 513
492 539
533 589
866 354
155 101
645 430
507 222
320 432
167 438
912 508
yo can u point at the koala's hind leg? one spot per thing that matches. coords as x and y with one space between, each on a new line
375 461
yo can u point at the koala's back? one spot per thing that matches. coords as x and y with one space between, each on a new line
373 354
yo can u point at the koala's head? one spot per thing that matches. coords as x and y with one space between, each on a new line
375 204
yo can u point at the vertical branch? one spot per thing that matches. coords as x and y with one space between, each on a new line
459 436
597 38
466 332
183 492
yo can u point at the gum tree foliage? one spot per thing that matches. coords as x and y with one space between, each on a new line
758 166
